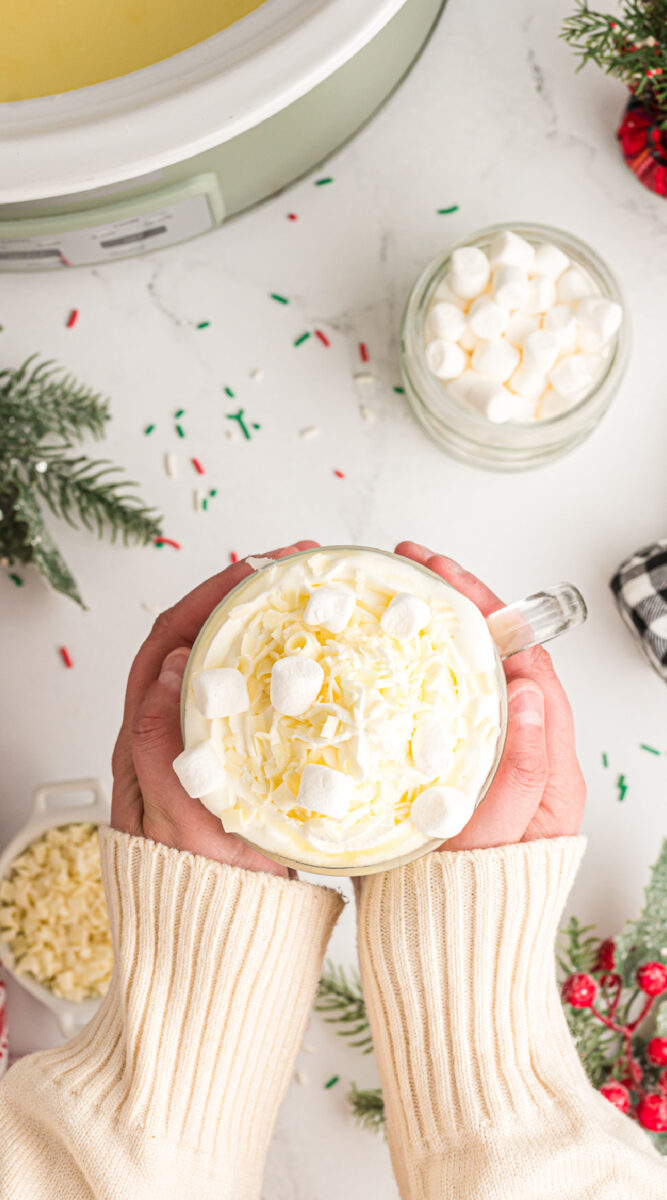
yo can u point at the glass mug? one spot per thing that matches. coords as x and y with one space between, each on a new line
529 622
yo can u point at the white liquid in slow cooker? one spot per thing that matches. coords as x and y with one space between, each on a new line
51 46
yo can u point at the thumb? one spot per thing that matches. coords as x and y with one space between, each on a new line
516 792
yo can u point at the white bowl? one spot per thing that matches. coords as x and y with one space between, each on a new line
71 1015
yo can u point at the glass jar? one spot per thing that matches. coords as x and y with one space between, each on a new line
466 434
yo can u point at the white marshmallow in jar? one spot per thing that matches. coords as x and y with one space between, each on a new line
514 343
344 710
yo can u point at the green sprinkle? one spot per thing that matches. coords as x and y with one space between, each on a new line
622 787
279 298
228 392
213 492
303 338
321 182
605 760
204 504
445 211
159 545
330 1082
16 579
203 325
649 749
180 412
238 416
400 391
180 431
149 429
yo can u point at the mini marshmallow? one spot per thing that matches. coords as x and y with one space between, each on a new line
467 340
572 377
561 321
325 791
541 294
446 321
487 318
469 273
405 616
432 751
527 383
520 327
574 285
329 608
460 387
549 260
221 692
510 287
444 359
199 770
597 322
491 400
441 812
540 351
296 682
509 249
496 358
445 293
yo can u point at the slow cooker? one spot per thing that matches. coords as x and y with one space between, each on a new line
172 150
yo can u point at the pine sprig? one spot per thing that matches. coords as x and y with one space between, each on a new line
597 1046
630 45
368 1108
341 1000
43 414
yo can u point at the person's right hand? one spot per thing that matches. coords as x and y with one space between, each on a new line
538 790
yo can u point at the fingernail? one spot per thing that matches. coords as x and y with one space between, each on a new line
527 706
173 669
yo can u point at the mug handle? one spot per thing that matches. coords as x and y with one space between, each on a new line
537 619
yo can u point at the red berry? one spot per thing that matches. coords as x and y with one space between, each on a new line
652 1112
616 1094
652 978
579 990
605 959
657 1051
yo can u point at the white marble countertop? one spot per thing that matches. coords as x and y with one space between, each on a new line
493 119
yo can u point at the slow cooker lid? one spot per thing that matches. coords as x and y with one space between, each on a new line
177 108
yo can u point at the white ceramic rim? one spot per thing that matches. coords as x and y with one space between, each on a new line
129 126
70 1014
201 645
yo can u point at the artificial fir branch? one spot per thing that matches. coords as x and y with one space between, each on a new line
631 45
43 414
368 1108
341 1000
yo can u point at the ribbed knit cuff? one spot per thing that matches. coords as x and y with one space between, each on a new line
457 959
215 970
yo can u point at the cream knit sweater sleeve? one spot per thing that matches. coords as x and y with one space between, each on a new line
172 1090
485 1096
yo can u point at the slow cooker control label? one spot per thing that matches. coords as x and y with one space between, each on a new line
133 229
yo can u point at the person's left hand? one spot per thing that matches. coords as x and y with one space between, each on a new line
148 799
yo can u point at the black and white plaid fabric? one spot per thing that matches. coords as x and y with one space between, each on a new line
640 588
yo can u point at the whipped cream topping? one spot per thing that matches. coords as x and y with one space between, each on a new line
399 701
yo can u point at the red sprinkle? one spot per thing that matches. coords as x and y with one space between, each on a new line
363 351
163 541
66 657
339 474
233 556
72 319
292 217
197 466
323 337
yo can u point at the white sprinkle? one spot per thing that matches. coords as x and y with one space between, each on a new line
256 375
149 608
365 381
310 431
197 498
301 1078
170 464
233 435
366 413
307 1048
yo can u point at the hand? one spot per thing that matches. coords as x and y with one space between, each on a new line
538 790
148 800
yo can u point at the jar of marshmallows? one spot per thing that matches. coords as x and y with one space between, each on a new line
513 345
